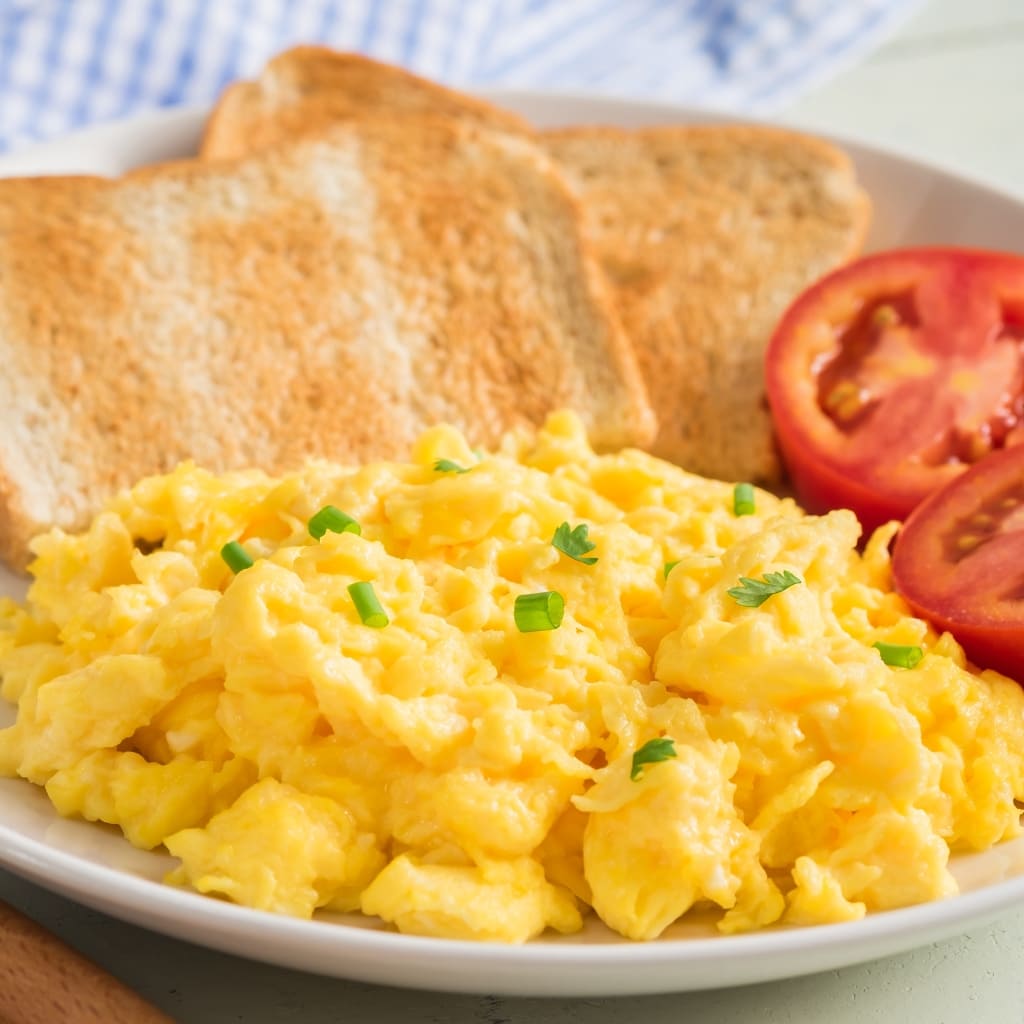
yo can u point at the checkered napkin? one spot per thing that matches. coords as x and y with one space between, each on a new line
67 63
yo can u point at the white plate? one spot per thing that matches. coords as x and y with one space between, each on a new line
914 203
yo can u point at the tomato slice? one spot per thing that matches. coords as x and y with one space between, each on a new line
889 377
959 561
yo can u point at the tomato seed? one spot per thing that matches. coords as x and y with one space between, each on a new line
846 400
978 446
968 542
842 391
885 316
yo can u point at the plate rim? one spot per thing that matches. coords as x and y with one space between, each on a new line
192 116
765 954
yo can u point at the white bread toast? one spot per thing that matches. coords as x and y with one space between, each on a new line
706 233
327 297
307 87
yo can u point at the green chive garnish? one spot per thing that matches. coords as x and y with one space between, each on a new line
447 466
236 556
333 519
669 566
661 749
899 655
743 500
537 612
369 608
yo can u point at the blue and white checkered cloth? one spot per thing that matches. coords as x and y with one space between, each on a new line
66 63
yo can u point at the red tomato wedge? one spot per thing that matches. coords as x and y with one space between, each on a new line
959 561
889 377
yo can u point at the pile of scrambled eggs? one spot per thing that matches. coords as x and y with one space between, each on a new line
456 776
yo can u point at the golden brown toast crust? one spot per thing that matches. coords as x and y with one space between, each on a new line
706 234
331 296
307 88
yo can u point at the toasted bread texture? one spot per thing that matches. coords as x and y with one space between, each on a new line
328 297
706 234
307 87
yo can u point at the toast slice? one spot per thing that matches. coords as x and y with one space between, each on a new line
307 87
706 234
328 297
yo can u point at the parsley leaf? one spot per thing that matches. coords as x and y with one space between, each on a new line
661 749
447 466
753 593
574 543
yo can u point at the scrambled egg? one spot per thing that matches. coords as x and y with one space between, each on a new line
456 776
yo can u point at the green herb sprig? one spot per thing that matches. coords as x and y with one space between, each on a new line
573 541
753 593
663 748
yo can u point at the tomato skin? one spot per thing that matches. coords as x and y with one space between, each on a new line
971 588
821 487
959 318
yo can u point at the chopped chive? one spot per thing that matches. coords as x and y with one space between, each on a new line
447 466
899 655
663 748
333 519
669 566
574 543
743 500
236 556
537 612
369 608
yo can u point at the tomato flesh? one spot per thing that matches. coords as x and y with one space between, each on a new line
891 376
959 561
